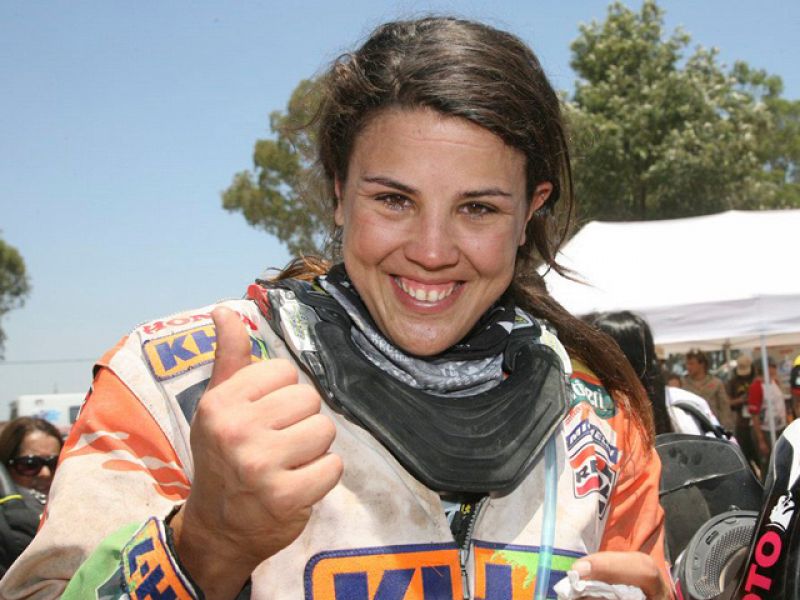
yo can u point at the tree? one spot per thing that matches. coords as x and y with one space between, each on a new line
14 283
657 136
284 195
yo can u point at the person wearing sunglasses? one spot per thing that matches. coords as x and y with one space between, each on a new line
29 449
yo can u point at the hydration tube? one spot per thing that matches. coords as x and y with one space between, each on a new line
548 521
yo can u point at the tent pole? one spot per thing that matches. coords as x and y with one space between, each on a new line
765 385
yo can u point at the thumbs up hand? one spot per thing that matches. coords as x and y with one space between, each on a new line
261 460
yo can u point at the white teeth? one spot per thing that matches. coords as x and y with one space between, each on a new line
422 295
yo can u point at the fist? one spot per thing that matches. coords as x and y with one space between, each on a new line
261 455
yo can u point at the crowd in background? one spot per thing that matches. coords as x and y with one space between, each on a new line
742 401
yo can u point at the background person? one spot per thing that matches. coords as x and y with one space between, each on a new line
29 449
761 396
738 387
444 151
699 381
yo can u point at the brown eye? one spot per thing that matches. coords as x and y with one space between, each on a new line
477 209
394 201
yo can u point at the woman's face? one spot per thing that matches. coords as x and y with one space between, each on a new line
432 211
37 443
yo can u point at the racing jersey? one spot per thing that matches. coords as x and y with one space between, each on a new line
379 533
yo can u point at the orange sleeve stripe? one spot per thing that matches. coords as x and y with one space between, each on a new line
115 424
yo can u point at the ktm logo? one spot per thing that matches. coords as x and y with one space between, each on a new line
429 572
175 354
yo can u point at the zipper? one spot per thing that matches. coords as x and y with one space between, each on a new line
468 521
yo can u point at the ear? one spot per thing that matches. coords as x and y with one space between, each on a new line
539 197
338 212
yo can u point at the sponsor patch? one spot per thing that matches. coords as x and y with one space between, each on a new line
586 388
430 572
183 320
594 462
148 566
506 572
295 322
414 572
178 353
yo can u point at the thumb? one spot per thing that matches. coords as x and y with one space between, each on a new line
233 345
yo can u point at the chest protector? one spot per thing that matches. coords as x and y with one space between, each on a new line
482 443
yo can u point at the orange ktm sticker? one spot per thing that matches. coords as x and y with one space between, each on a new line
413 572
172 355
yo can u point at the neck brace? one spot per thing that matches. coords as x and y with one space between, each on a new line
487 442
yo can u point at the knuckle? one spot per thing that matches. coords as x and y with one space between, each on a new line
283 499
207 407
251 472
228 433
335 468
326 428
283 369
309 395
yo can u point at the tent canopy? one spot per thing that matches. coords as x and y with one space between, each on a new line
699 282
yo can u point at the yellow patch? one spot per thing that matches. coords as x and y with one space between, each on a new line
178 353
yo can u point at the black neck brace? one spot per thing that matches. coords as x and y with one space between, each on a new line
487 442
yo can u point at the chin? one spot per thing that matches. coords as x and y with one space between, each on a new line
419 346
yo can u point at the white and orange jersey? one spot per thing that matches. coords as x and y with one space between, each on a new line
127 463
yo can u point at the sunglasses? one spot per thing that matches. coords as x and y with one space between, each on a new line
31 465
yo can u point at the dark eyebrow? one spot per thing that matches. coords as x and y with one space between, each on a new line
486 192
390 183
409 190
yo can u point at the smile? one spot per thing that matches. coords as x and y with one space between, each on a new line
426 292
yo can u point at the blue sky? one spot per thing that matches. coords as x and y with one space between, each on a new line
121 123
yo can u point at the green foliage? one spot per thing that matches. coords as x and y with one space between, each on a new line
659 136
284 195
657 132
14 283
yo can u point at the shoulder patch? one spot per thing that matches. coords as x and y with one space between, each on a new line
175 354
586 387
594 459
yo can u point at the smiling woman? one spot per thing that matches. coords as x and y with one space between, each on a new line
416 418
432 213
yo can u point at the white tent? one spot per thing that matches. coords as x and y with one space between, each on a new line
700 282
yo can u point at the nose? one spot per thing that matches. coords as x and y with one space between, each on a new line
433 243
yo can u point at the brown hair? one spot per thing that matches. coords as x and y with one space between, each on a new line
14 432
699 356
491 78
